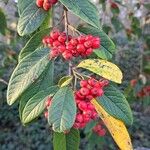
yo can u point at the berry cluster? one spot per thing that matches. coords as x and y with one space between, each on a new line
99 130
144 92
46 4
90 89
70 47
47 105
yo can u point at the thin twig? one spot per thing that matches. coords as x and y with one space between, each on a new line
74 29
3 81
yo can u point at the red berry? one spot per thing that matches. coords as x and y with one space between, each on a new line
61 48
81 39
89 97
54 35
79 118
104 83
50 41
69 37
46 6
96 43
83 83
48 102
114 5
133 82
86 117
94 115
62 38
69 46
90 106
94 91
74 42
84 91
88 44
100 92
89 51
39 3
79 95
82 105
89 37
53 1
45 40
102 132
91 82
54 53
88 112
80 48
46 114
67 55
56 43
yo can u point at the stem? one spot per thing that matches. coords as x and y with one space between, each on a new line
73 29
66 30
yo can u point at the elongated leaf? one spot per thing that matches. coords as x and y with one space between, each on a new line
3 23
26 73
73 139
114 102
44 81
116 128
103 68
34 42
31 18
23 4
36 105
68 141
83 9
107 45
64 81
63 110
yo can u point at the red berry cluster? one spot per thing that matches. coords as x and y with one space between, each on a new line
114 5
99 130
144 92
46 4
70 47
90 89
47 105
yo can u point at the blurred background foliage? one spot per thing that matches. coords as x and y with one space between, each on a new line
128 25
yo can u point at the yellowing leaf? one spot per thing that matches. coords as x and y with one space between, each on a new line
116 128
64 81
103 68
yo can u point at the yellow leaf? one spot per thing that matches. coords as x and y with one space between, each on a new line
64 81
116 128
103 68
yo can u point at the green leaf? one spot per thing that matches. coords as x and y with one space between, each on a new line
22 5
26 73
59 141
68 141
30 20
64 81
103 68
36 105
44 81
34 42
107 45
3 23
116 104
83 9
63 110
